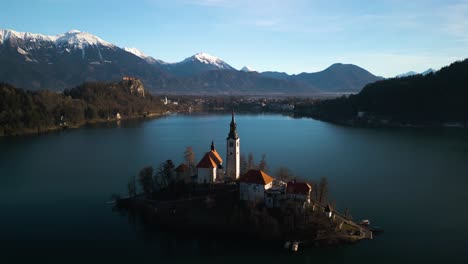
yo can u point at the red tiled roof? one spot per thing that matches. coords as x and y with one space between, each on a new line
215 156
298 188
256 177
209 160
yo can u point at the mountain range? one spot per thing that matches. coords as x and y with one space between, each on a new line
35 61
411 73
423 100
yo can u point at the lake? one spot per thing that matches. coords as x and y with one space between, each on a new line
54 189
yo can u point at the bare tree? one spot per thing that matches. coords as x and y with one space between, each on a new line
284 174
263 164
132 187
316 191
165 175
243 164
146 180
323 190
189 157
347 214
250 162
169 173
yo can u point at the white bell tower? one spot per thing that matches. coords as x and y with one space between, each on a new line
233 152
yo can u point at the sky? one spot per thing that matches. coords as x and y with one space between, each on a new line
386 37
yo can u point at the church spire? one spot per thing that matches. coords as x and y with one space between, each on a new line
233 129
233 119
212 145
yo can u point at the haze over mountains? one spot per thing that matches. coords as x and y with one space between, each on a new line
35 61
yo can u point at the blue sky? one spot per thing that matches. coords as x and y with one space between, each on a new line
386 37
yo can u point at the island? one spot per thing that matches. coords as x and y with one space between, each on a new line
238 198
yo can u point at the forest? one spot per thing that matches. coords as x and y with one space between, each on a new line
438 97
24 112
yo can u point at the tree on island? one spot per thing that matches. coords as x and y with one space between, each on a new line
284 174
146 180
263 164
250 162
165 175
243 164
131 186
322 191
189 157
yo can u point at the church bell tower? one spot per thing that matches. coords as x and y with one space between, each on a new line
232 153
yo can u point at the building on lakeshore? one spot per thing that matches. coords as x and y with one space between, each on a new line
253 184
210 167
298 191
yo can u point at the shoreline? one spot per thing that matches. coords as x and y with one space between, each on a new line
52 129
366 123
224 215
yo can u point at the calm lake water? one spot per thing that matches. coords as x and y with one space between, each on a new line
54 189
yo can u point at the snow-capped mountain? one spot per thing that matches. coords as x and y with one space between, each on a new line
209 60
142 55
196 64
411 73
35 61
44 49
247 69
76 39
428 71
406 74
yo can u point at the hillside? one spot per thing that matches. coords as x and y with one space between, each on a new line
23 112
37 62
435 98
336 78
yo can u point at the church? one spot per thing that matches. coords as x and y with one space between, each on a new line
210 168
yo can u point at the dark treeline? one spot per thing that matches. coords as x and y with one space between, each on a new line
23 111
437 97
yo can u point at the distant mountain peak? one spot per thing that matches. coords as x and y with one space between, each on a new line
406 74
73 31
142 55
78 39
428 71
247 69
412 73
73 38
206 58
136 52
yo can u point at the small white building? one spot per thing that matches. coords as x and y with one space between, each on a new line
328 211
209 167
253 184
